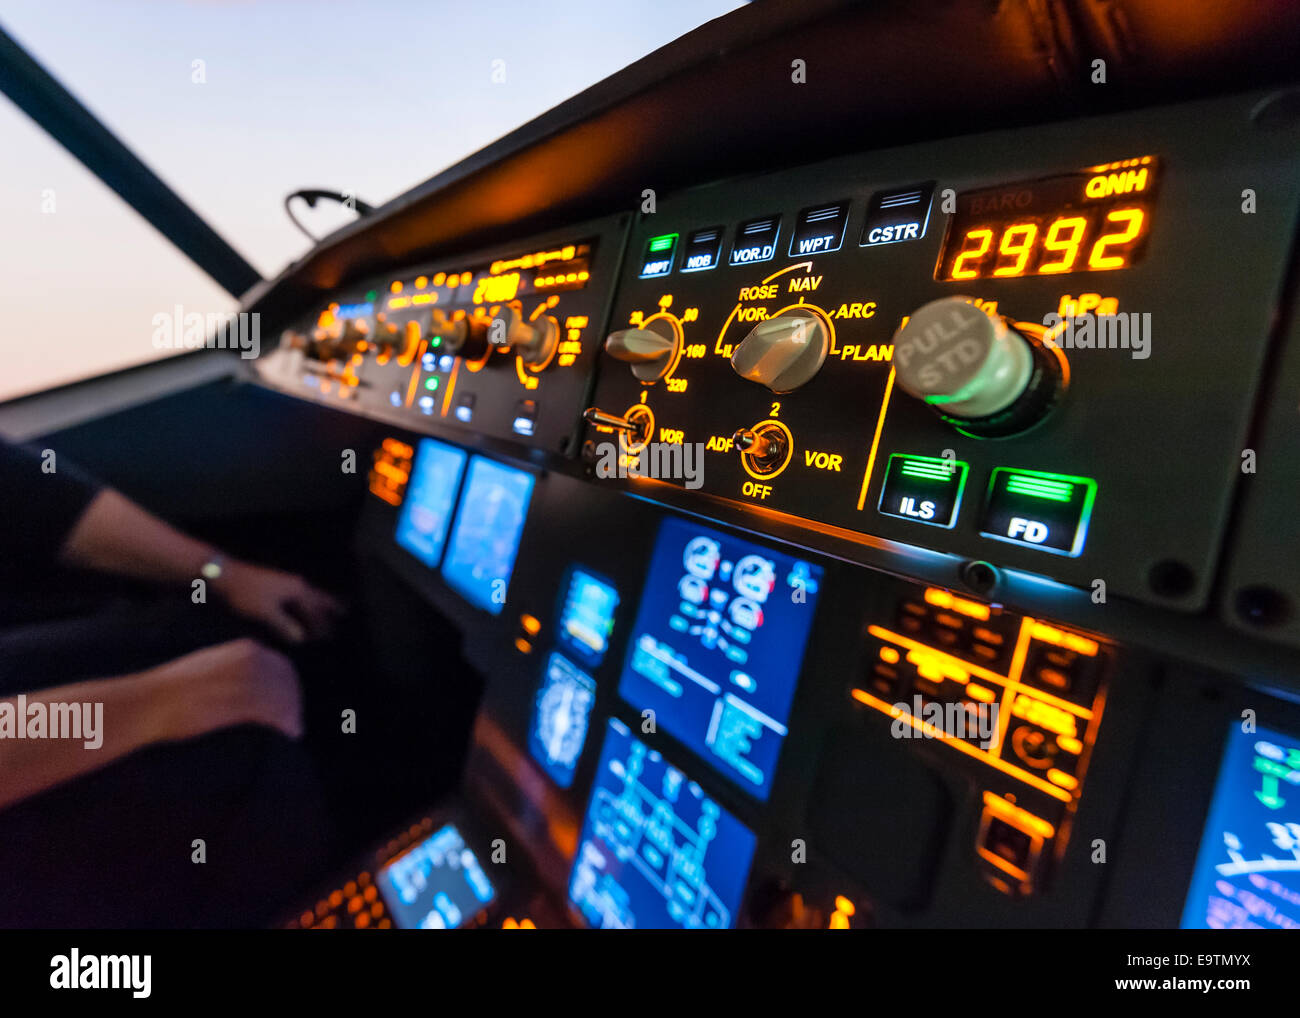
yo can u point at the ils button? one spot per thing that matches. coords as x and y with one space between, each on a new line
924 489
1039 510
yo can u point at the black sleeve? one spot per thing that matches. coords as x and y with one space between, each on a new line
42 495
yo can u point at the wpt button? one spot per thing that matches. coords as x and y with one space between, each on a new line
1039 510
819 229
925 489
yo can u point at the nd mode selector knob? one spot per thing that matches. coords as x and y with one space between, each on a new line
974 369
785 351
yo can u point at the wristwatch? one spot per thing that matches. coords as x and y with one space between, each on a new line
213 568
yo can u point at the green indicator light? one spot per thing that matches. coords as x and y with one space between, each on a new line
928 468
662 243
436 341
371 295
926 472
431 383
1052 491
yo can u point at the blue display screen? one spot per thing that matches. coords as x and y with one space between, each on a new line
1248 868
717 647
588 616
484 542
655 851
426 512
437 885
560 718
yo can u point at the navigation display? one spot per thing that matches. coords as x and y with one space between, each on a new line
426 513
1248 868
485 539
656 852
718 644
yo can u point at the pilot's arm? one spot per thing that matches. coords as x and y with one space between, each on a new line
62 514
236 683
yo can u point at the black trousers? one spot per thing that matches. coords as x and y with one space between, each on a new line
118 847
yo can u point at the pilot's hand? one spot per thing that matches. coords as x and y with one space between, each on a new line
236 683
286 604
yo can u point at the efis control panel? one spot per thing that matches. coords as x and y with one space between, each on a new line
1037 349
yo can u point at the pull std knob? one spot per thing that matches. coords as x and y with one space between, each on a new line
975 370
648 350
783 352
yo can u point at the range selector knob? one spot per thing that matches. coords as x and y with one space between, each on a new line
783 352
649 350
974 369
534 341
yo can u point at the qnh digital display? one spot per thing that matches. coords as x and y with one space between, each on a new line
717 647
1248 869
656 852
1093 220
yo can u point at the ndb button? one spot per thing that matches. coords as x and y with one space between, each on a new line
1039 510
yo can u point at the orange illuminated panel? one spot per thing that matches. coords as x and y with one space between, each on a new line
1092 220
1047 692
391 470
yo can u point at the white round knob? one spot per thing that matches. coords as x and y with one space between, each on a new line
960 359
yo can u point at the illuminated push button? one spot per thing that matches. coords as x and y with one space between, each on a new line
961 360
649 351
658 257
1039 510
924 489
784 352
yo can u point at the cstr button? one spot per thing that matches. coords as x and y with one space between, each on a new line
924 489
1040 510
